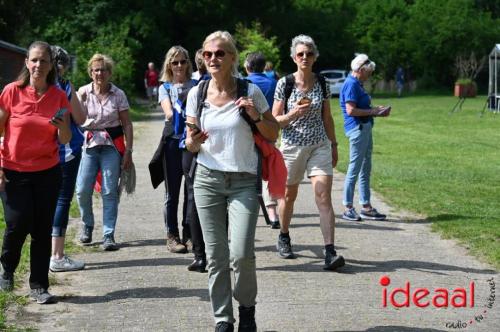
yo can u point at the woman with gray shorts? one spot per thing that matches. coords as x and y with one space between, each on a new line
308 144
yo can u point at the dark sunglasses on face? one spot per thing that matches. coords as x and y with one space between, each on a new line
219 54
176 63
305 54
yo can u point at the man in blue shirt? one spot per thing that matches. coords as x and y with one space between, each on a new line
254 66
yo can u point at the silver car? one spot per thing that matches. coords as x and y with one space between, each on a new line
335 79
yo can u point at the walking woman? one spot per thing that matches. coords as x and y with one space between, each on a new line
358 123
34 119
69 159
176 75
104 148
308 144
226 179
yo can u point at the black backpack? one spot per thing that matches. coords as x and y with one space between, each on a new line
241 91
290 83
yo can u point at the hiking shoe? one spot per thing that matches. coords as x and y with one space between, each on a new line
284 247
174 244
86 234
247 319
372 214
6 280
224 327
42 296
65 264
333 261
109 244
351 215
275 224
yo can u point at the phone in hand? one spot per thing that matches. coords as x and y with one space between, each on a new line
385 110
193 127
59 114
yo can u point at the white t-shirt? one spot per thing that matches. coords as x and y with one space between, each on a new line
230 144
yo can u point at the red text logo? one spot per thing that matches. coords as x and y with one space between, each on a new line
423 297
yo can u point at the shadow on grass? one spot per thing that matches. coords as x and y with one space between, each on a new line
138 293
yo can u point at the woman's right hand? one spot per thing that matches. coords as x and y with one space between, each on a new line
300 110
194 139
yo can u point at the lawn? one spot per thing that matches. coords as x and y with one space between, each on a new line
445 166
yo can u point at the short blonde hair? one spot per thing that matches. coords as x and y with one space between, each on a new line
167 74
229 45
105 59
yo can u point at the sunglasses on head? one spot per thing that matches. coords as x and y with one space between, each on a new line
367 62
176 63
305 54
219 54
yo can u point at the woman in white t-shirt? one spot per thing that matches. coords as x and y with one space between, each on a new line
226 179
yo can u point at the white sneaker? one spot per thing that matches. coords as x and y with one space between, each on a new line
65 264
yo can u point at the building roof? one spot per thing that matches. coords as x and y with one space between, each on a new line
12 47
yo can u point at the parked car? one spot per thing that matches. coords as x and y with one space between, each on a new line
335 78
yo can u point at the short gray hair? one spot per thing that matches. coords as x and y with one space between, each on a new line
360 61
304 40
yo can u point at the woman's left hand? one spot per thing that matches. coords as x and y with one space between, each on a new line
335 155
247 103
127 160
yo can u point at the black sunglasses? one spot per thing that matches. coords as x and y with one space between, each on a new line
219 54
176 63
367 62
305 54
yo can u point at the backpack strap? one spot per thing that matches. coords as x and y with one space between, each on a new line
289 84
322 82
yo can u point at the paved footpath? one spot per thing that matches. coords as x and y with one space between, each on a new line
142 287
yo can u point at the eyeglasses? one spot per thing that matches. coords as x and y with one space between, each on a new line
304 54
99 70
176 63
219 54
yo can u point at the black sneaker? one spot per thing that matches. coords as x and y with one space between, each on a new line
42 296
275 224
86 234
224 327
6 280
372 214
109 244
284 247
247 319
333 261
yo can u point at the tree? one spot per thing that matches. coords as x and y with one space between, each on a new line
253 40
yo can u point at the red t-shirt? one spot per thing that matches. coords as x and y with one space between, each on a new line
151 77
30 142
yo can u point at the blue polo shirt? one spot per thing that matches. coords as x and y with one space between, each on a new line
353 91
267 86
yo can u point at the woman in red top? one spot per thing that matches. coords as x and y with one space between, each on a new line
34 119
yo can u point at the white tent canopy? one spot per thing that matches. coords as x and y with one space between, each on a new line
493 85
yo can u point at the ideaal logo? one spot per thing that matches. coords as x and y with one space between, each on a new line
422 297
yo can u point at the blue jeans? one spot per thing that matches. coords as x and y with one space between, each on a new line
173 176
107 159
69 173
360 164
216 194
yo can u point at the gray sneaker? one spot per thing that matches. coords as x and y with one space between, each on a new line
6 280
109 244
284 247
42 296
372 214
351 215
65 264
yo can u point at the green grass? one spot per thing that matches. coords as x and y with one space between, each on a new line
445 166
